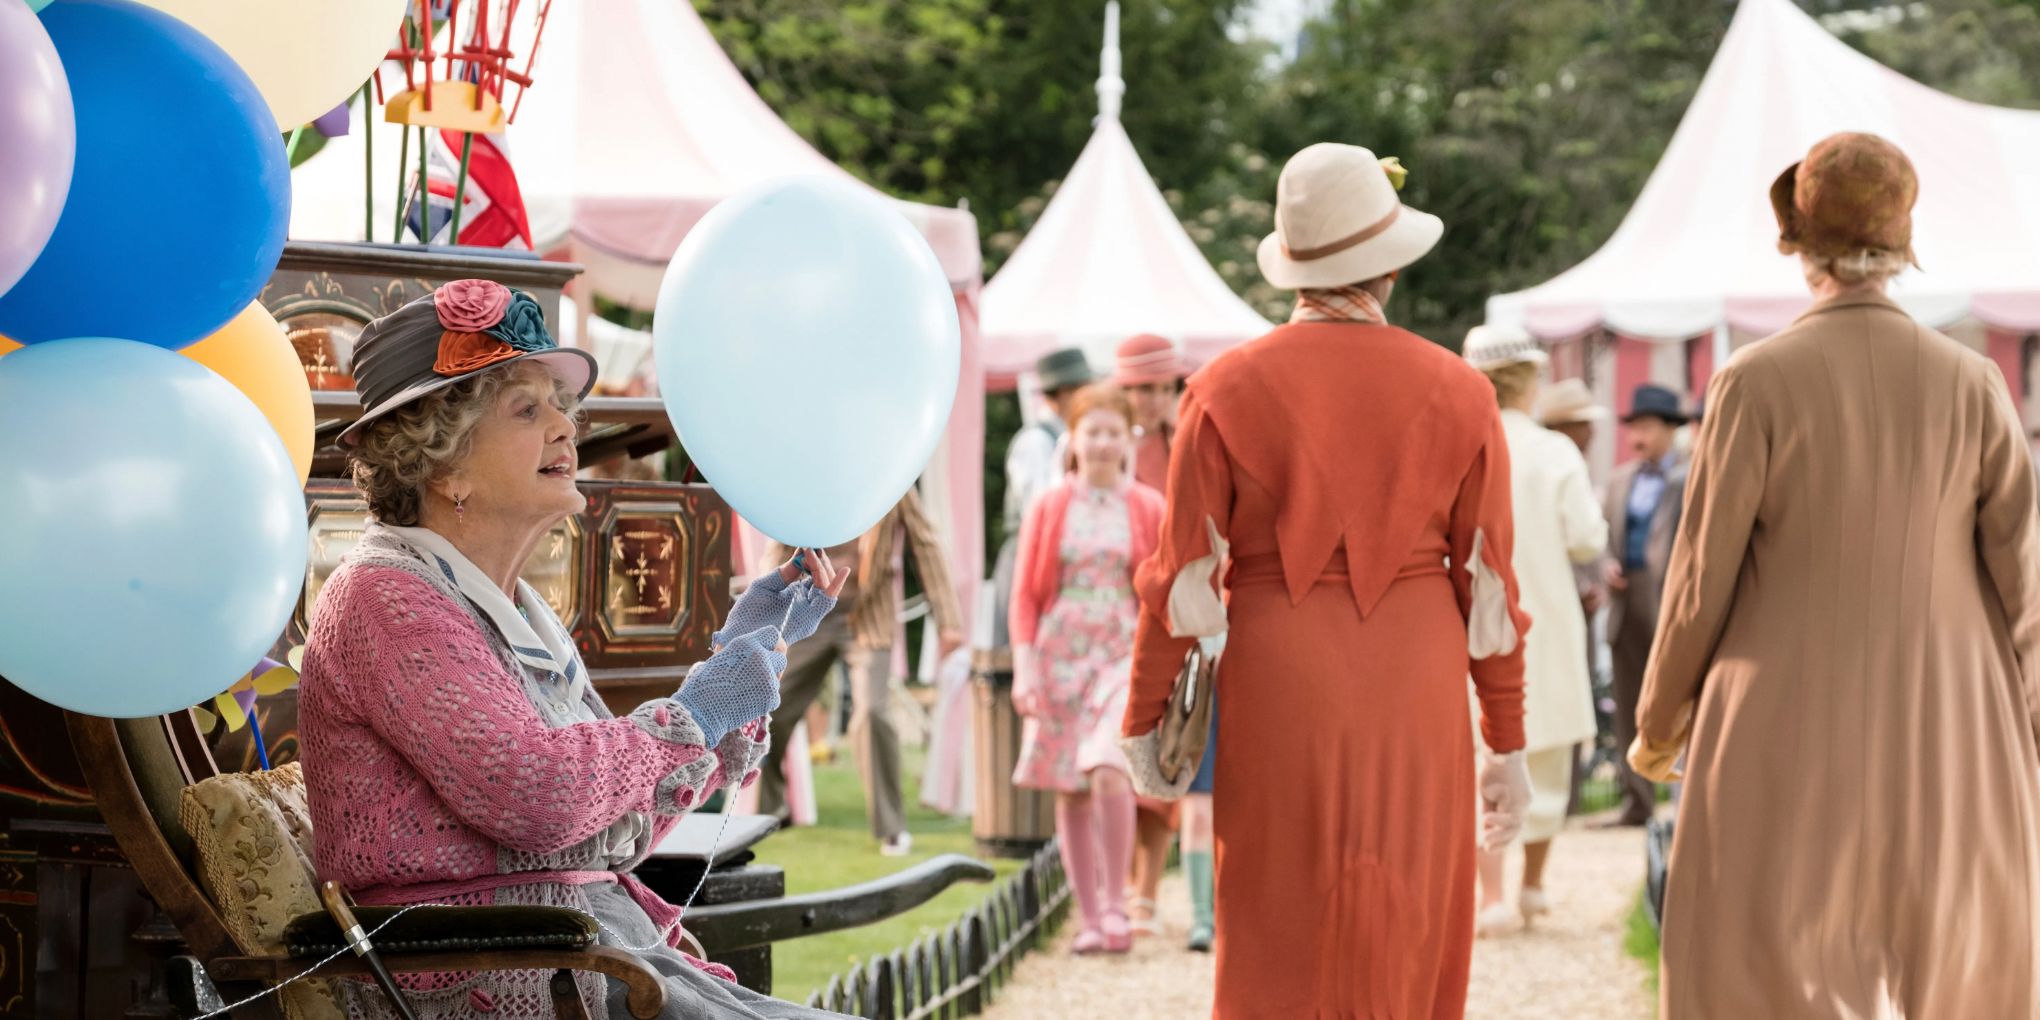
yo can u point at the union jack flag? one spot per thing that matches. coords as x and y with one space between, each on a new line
492 207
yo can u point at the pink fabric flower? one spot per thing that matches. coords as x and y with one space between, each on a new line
470 306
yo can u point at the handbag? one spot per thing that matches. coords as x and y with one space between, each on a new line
1195 610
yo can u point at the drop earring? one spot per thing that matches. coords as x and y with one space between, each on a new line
460 510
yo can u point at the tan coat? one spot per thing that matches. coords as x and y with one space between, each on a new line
1854 606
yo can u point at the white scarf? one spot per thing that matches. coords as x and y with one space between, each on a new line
535 636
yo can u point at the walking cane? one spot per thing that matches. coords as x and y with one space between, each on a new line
335 900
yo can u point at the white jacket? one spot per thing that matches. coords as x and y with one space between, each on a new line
1558 524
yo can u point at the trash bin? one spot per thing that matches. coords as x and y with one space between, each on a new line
1009 821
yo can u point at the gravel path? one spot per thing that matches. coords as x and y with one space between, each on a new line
1570 967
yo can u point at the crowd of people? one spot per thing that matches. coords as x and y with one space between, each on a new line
1824 621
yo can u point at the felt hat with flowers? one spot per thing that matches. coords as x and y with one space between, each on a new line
461 330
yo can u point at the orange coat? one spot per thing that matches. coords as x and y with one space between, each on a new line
1354 469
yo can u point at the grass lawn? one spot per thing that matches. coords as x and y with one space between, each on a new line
839 851
1642 941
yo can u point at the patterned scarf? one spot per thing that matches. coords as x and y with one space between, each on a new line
1338 304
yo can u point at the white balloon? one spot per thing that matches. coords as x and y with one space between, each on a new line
806 343
306 56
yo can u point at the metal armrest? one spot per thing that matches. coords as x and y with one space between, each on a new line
647 990
726 927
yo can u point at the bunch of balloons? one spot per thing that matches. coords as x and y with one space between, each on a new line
155 427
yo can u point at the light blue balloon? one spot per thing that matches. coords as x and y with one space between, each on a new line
152 531
807 349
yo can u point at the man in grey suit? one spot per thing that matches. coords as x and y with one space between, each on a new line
1642 504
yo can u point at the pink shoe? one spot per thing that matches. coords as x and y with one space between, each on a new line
1089 941
1117 933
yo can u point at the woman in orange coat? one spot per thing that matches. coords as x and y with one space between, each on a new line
1361 477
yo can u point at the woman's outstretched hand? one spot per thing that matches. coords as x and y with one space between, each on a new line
828 578
782 599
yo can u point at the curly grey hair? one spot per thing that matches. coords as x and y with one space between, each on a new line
420 442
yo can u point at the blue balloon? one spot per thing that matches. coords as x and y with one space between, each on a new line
808 350
152 531
180 193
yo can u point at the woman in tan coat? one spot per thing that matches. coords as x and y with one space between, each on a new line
1851 632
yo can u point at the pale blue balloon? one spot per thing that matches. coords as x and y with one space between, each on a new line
807 350
152 531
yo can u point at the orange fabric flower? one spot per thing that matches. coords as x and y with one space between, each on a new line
461 353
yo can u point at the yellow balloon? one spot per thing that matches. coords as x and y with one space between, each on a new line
254 354
305 56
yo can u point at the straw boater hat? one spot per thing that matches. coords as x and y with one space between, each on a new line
1146 359
1569 402
1338 221
1491 347
459 331
1852 191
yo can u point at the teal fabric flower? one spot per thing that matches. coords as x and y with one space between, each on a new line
523 325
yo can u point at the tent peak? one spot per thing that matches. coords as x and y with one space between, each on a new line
1111 87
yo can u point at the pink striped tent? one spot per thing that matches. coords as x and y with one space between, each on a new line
637 125
1693 271
1107 260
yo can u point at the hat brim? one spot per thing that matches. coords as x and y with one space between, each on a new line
1125 379
1668 417
570 365
1412 236
1589 415
1538 358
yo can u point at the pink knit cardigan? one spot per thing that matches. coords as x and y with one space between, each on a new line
433 776
1037 579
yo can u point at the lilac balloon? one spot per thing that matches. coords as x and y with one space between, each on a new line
38 139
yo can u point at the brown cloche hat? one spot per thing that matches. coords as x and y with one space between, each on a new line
1852 191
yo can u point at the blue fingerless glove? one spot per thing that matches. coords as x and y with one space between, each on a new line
737 684
797 608
763 604
810 605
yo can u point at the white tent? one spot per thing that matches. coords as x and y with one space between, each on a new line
636 125
1698 250
1108 260
1694 269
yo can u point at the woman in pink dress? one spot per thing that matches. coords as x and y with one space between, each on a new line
1072 620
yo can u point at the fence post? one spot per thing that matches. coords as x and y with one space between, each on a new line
884 991
980 957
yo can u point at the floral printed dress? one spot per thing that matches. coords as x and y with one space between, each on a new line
1084 651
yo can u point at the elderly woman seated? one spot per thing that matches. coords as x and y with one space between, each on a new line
454 749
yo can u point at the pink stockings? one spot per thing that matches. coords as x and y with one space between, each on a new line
1097 846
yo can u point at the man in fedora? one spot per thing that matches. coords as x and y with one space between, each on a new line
1033 459
1034 463
1642 506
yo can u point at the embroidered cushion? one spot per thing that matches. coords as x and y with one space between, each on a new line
252 833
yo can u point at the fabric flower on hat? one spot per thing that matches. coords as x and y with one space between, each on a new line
461 353
470 306
523 325
1398 174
